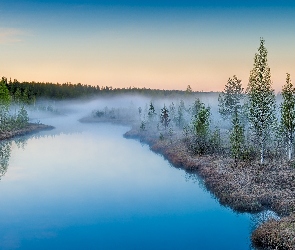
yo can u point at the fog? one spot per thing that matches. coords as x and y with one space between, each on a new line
62 113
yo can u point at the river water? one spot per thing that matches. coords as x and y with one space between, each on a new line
84 186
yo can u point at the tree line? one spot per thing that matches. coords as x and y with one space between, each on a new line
254 124
13 114
36 90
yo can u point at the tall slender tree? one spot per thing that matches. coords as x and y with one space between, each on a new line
288 113
230 108
261 98
230 98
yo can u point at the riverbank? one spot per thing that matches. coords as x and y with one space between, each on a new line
276 234
29 129
247 187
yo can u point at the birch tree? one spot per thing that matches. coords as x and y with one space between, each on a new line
261 98
288 113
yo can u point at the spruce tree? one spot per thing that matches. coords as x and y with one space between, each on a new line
230 98
195 108
261 98
288 113
4 94
151 112
189 89
165 120
201 124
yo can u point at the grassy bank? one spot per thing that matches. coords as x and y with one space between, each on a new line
28 129
246 187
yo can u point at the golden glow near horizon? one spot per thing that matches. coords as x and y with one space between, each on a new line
161 51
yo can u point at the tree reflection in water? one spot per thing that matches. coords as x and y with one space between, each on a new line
5 150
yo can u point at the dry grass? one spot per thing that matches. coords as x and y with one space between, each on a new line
30 128
247 187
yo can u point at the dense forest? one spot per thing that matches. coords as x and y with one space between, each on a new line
252 121
13 114
36 90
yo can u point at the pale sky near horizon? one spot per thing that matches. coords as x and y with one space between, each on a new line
153 44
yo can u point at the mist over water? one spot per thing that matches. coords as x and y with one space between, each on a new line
84 186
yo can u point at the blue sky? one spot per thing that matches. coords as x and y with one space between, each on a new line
157 44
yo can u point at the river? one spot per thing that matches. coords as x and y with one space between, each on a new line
84 186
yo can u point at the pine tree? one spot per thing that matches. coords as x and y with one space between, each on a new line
288 113
261 98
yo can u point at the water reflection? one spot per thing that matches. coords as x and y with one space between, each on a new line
5 151
20 142
89 188
262 217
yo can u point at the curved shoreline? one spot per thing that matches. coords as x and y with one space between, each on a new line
29 129
244 188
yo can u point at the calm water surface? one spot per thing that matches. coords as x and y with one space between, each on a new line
83 186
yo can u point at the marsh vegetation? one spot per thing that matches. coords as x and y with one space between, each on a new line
240 141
